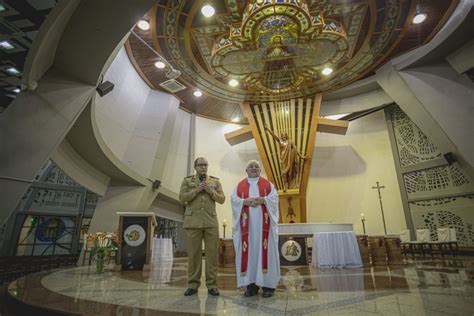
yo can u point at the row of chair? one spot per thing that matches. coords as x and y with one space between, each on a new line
446 243
14 267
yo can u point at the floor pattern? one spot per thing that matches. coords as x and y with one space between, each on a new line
429 287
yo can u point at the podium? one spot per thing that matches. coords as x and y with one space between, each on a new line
136 238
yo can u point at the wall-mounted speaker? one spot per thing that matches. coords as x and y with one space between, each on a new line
104 88
450 158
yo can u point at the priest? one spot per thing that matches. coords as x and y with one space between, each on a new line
255 228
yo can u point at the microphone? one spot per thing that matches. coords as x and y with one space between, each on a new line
202 177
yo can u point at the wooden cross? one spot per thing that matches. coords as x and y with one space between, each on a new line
378 187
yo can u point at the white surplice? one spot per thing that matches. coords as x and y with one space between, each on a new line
255 273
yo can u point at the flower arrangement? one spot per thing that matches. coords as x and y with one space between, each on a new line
101 246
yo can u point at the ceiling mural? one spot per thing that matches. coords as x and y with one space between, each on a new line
277 49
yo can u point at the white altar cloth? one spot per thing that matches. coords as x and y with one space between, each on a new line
162 249
336 250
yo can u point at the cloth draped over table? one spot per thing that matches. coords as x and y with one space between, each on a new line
262 268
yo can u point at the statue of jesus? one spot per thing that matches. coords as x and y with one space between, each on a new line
289 155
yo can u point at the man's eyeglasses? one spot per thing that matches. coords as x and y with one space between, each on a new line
202 165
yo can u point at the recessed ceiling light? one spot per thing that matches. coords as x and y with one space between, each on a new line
16 90
12 70
236 120
197 93
327 71
143 25
160 65
419 18
208 11
2 8
233 83
6 45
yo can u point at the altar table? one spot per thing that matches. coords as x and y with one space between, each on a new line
336 250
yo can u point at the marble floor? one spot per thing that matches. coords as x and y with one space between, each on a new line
428 287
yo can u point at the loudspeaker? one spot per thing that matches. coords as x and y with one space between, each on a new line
450 158
104 88
156 185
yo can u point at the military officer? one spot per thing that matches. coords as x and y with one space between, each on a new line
200 193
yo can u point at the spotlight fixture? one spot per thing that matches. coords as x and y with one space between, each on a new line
143 25
104 88
160 64
197 93
2 8
208 11
6 45
419 18
236 120
16 90
233 83
327 71
12 71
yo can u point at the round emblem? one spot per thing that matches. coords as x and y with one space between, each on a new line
291 250
134 235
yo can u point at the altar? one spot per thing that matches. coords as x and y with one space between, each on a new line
298 247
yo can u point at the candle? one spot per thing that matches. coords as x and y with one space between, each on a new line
362 217
224 222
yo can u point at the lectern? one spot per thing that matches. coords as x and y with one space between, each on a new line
136 237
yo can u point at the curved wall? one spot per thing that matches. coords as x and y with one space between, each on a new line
144 128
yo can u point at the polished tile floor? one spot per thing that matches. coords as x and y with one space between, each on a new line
428 287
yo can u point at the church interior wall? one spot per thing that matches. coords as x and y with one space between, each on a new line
343 172
131 118
448 96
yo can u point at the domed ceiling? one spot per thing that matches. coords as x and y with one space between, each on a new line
275 49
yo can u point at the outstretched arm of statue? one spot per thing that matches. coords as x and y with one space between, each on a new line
271 133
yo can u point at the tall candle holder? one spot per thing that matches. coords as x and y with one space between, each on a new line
362 219
224 224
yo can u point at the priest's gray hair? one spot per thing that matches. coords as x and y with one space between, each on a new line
253 162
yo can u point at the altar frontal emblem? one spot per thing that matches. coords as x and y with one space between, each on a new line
134 235
291 250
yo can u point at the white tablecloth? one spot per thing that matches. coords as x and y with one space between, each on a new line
162 249
336 250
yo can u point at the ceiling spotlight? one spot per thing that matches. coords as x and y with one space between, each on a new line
143 25
6 45
233 83
12 70
327 71
197 93
2 8
16 90
208 11
236 120
419 18
160 65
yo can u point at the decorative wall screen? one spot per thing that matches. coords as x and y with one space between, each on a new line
433 210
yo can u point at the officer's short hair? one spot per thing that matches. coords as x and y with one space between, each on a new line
196 160
253 161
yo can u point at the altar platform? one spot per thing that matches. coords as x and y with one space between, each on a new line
414 289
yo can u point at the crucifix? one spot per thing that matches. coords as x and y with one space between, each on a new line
288 123
378 187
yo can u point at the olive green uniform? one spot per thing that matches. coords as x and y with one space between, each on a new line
200 223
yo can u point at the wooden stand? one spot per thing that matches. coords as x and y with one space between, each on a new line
394 251
363 243
378 250
226 253
136 237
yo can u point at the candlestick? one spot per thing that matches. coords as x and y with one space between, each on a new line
362 219
224 224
